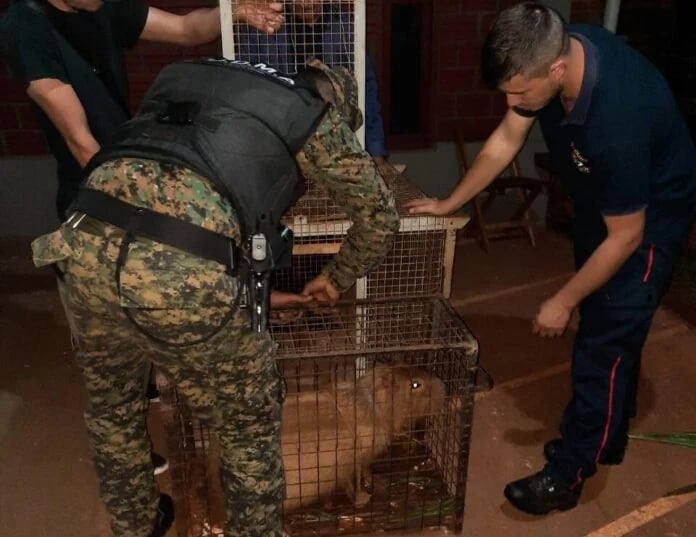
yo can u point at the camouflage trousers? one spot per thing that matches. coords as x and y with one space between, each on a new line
229 380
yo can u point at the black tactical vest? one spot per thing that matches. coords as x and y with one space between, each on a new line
236 124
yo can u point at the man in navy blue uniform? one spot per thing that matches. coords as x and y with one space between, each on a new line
627 159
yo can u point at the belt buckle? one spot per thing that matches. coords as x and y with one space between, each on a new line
75 219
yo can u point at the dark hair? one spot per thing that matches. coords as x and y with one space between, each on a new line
525 39
317 81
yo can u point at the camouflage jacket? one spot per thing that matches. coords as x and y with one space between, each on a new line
332 158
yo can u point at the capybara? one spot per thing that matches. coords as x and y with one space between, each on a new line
330 437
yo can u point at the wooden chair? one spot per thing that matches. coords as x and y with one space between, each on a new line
526 189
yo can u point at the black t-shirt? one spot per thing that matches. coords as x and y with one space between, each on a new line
624 146
127 20
72 48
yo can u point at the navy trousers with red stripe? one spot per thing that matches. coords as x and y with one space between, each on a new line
614 323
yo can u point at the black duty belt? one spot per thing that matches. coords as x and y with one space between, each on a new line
159 227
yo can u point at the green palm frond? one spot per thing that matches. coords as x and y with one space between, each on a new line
687 439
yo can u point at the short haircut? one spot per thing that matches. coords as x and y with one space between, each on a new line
525 39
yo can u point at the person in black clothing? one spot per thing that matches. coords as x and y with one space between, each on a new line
69 55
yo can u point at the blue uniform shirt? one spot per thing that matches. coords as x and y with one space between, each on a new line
624 146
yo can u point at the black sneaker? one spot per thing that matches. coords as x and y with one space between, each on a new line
159 463
152 392
165 516
611 456
541 493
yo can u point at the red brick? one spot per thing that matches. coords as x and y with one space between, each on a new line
480 5
456 80
485 24
457 29
479 84
25 143
154 64
446 105
474 105
448 53
134 63
27 117
499 104
446 128
12 91
469 54
213 48
448 6
4 69
487 124
8 117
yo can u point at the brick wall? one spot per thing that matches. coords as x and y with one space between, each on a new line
458 97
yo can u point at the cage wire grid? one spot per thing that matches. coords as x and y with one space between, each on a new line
311 29
379 388
333 360
419 263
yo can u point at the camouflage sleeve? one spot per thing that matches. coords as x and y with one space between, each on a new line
334 160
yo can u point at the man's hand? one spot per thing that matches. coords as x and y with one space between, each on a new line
428 206
281 299
552 318
321 290
267 18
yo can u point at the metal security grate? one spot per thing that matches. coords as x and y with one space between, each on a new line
376 423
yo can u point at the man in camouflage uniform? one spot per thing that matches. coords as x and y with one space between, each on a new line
230 379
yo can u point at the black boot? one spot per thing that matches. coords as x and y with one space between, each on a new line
165 516
611 456
540 494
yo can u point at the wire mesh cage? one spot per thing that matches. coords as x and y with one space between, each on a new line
379 393
419 264
376 423
330 30
324 29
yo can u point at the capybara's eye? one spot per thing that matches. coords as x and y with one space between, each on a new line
415 384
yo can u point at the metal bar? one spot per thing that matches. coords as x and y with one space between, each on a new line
611 14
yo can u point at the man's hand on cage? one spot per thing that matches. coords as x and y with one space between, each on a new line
321 290
281 299
265 17
428 206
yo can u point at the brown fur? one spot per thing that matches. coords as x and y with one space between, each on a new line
330 437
